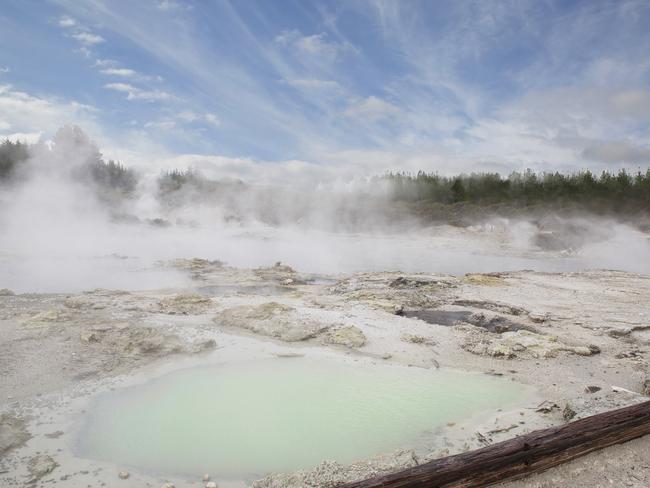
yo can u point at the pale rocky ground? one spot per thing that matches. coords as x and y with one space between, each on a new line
560 333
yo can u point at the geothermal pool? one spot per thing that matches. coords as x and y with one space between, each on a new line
247 419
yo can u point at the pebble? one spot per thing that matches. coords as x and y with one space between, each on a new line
211 484
206 477
168 485
123 475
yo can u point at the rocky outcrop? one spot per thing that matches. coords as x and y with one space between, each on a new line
394 292
522 343
184 304
272 319
49 317
349 336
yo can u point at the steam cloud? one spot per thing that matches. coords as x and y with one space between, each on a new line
60 232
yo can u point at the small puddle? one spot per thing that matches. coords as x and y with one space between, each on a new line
439 317
497 324
243 420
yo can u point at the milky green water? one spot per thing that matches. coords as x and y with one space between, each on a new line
257 417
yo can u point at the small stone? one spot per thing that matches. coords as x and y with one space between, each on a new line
168 485
568 413
592 389
538 317
399 310
40 466
593 349
211 484
123 475
206 477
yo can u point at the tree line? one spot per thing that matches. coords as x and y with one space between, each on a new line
527 188
619 190
108 176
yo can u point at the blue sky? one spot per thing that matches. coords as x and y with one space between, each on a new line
277 89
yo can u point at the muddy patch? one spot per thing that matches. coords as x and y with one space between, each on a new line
449 318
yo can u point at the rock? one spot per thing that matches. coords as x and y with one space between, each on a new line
206 477
539 317
123 475
89 336
484 279
211 484
272 319
184 304
349 336
618 332
13 433
568 413
547 407
279 273
49 316
39 466
6 292
519 343
168 485
593 349
646 386
592 389
394 293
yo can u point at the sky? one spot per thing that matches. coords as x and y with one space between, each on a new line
302 91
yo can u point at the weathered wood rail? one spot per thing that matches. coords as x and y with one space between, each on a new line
523 455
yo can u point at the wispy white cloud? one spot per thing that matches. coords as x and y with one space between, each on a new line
172 5
5 69
126 72
135 93
88 38
372 109
103 63
185 117
212 119
313 84
67 22
316 46
122 72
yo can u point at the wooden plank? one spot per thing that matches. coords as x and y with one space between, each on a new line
523 455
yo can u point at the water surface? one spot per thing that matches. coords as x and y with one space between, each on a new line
248 419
